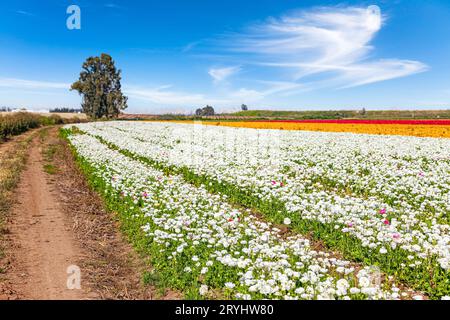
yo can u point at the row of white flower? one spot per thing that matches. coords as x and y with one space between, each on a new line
208 237
388 191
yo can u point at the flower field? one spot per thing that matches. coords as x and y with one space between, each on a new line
241 213
417 128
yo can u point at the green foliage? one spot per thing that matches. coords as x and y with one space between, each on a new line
100 86
11 125
17 123
343 114
204 112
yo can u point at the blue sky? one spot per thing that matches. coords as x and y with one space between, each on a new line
269 54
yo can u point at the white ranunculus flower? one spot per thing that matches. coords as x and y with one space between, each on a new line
203 290
229 285
275 264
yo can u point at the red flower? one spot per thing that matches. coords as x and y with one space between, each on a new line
386 222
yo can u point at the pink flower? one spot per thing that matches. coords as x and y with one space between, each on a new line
281 184
145 194
421 174
396 236
274 182
386 222
350 224
383 211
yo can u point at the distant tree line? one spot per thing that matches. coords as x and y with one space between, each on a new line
204 112
65 110
5 109
209 111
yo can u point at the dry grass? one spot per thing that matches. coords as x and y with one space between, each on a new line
47 114
13 156
12 124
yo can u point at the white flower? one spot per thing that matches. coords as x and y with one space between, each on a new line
364 282
342 284
268 263
203 290
354 290
230 285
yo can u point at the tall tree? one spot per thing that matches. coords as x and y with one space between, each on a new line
99 84
206 111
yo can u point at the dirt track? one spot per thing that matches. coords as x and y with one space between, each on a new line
42 237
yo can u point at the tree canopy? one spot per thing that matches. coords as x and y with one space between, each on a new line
206 111
100 86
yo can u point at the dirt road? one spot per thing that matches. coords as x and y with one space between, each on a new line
44 245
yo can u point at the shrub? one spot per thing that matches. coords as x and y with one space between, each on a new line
17 123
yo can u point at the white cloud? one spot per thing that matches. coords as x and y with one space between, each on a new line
330 42
163 96
112 5
221 74
189 46
25 13
31 84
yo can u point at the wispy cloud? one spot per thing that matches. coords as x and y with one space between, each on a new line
221 74
167 96
112 5
31 84
164 95
332 44
190 46
25 13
